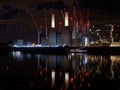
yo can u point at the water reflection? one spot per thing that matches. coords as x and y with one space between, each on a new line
115 64
53 77
18 55
71 72
66 79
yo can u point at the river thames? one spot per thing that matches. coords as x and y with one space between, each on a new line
73 71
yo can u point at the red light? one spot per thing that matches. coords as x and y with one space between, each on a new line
60 74
88 84
41 72
80 76
60 23
71 79
46 69
41 26
7 68
87 74
82 79
71 18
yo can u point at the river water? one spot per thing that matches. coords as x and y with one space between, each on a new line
73 71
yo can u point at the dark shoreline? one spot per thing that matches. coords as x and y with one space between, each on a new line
42 50
5 48
102 50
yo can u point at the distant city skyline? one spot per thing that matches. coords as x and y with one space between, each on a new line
15 23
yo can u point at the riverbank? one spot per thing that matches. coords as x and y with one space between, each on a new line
102 50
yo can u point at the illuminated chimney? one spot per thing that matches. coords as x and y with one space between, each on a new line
53 21
66 19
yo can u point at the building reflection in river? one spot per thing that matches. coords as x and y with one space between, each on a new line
73 71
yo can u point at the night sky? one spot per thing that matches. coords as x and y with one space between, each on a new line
16 22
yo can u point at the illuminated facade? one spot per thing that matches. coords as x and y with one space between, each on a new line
101 35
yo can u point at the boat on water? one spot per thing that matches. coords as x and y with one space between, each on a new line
77 50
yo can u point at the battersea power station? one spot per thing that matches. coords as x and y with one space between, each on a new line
62 27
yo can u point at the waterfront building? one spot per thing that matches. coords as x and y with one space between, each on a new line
104 34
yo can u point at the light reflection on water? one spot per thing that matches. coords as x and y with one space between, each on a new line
72 71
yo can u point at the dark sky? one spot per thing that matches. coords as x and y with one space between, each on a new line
113 5
15 23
